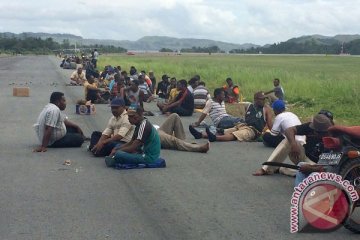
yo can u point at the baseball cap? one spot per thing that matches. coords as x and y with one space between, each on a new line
320 123
165 76
117 102
134 109
327 113
278 105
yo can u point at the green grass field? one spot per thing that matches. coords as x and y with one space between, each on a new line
311 83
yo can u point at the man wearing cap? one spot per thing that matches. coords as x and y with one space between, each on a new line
257 118
282 121
118 131
162 88
144 146
77 78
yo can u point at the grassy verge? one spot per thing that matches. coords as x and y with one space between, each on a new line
311 83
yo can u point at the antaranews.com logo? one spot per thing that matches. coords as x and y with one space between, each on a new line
321 202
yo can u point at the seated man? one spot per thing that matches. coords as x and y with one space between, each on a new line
232 92
144 146
118 131
172 136
172 91
183 103
77 78
296 149
257 118
162 87
93 93
276 93
133 94
283 120
201 95
53 127
144 87
217 112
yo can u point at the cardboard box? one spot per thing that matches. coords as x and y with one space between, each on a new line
85 109
21 91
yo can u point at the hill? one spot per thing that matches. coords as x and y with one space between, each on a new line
148 43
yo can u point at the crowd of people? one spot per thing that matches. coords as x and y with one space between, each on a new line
130 138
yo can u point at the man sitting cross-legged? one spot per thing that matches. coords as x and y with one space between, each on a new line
257 117
172 136
118 131
144 147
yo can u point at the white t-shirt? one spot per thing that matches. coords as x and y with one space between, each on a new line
283 121
53 117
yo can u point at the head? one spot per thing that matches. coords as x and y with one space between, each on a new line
276 82
259 99
328 114
229 82
197 77
141 79
165 78
135 114
278 106
58 99
117 106
134 85
143 72
117 77
181 85
91 79
133 70
193 82
79 70
320 124
201 84
219 94
124 73
173 82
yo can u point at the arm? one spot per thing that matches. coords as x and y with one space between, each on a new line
141 99
73 125
132 146
290 136
45 140
201 118
271 91
176 103
268 117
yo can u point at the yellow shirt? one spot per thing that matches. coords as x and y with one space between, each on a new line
86 85
173 93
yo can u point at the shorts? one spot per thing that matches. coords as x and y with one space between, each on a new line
243 132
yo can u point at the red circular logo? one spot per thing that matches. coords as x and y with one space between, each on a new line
325 206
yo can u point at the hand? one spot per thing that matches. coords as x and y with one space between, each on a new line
97 148
40 149
195 124
295 152
113 151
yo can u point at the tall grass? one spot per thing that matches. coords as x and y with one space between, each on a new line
311 83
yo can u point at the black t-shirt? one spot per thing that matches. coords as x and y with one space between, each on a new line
313 147
162 86
187 101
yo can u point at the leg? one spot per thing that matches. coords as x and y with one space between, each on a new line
272 141
106 150
229 122
69 140
125 158
173 125
94 139
300 176
181 111
171 142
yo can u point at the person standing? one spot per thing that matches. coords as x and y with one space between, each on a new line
53 128
95 57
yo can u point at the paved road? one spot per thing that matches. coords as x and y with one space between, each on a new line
198 196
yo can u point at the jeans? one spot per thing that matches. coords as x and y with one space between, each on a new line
71 139
106 150
229 122
129 158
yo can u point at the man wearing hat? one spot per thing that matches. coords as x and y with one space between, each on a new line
282 121
257 118
118 131
144 146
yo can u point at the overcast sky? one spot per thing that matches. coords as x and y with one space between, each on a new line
235 21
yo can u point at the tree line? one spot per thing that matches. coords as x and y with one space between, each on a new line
31 45
308 47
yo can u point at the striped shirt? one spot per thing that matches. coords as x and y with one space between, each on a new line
53 117
215 110
201 95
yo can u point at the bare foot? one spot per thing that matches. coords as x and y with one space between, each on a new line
205 148
260 172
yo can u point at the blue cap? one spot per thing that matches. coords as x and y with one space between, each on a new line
278 105
117 102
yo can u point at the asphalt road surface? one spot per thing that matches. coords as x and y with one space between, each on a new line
198 196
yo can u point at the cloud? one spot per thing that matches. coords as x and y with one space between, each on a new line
241 21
